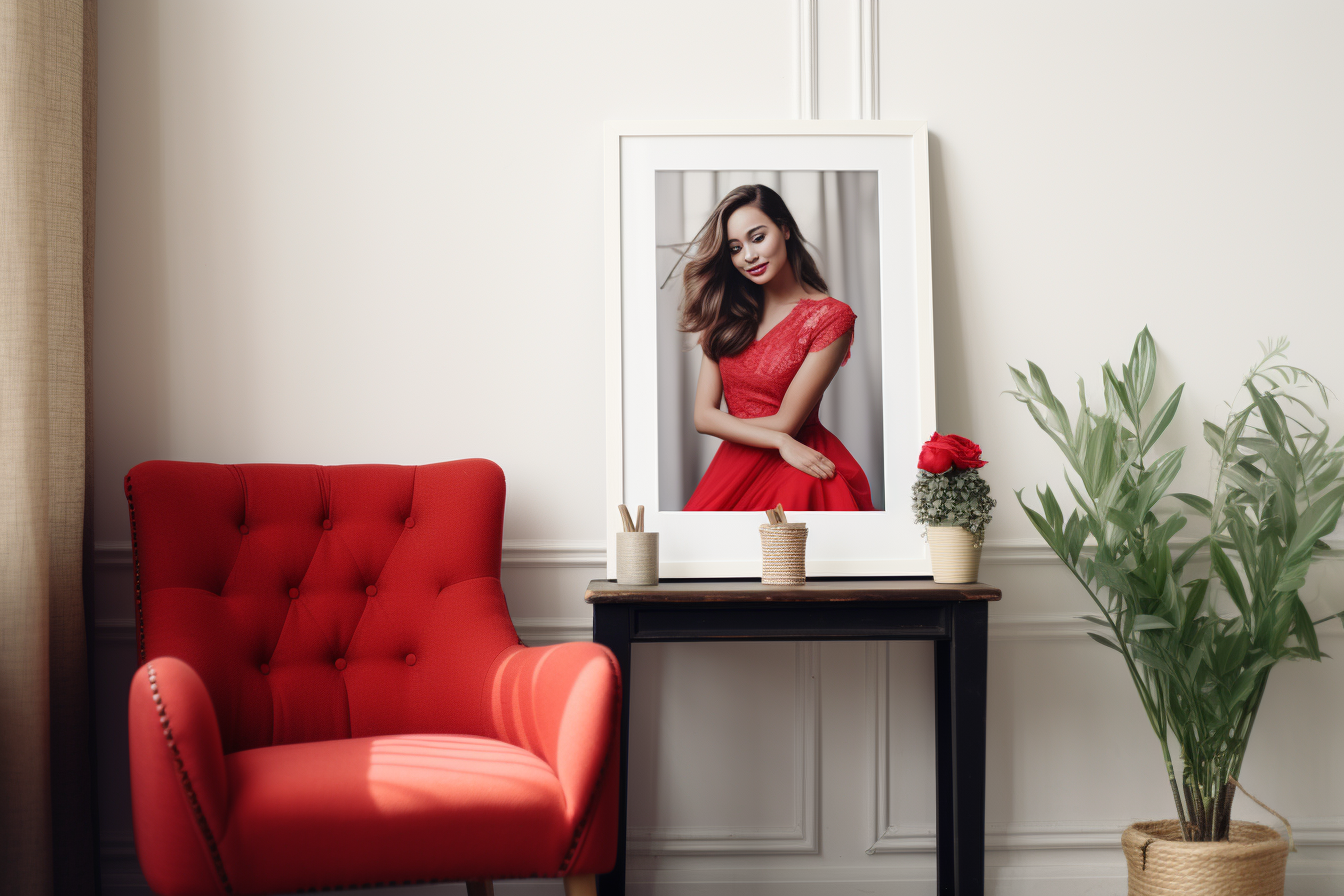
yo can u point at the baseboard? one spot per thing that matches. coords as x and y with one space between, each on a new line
1311 872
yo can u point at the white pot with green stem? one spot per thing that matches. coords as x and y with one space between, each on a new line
1199 648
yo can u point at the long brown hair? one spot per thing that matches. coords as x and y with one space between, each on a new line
718 302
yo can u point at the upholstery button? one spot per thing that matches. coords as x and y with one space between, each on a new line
326 524
243 529
410 659
265 669
293 593
410 522
340 663
371 591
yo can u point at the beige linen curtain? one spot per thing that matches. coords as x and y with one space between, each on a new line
47 87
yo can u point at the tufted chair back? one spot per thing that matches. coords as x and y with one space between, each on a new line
303 595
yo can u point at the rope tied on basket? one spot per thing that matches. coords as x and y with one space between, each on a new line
1292 847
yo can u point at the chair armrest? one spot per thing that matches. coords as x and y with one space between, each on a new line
179 786
562 703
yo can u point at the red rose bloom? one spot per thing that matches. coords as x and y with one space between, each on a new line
933 459
942 453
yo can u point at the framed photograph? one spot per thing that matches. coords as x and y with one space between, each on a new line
769 339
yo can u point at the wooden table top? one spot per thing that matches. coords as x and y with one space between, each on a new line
605 591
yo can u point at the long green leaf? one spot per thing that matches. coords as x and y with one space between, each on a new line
1194 602
1216 437
1158 479
1304 630
1043 527
1117 396
1050 506
1143 368
1161 421
1317 521
1101 639
1230 578
1048 399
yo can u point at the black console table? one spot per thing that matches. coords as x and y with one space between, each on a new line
954 617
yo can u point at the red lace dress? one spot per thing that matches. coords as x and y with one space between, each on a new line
742 477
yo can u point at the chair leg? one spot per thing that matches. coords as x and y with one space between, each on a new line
481 888
581 885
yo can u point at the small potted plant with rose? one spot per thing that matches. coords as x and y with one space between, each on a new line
953 502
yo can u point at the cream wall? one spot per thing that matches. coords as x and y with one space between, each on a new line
346 232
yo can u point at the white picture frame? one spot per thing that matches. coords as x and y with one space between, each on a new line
727 544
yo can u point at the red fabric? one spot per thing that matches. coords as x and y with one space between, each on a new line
219 598
327 603
177 808
369 810
558 703
756 378
743 477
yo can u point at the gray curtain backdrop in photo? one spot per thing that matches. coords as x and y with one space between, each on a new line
837 214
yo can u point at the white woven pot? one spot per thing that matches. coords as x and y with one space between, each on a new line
956 558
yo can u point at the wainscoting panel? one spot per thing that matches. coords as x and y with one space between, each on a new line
724 748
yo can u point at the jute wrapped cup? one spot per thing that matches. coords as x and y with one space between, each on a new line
637 558
783 553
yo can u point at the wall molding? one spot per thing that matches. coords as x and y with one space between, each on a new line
892 837
801 837
535 631
518 553
1328 831
809 81
541 631
592 553
869 70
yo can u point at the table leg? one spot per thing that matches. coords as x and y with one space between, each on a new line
942 740
611 627
967 665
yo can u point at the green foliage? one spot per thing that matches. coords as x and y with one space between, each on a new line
1200 674
957 497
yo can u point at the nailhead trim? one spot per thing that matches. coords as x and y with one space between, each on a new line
135 558
581 828
185 780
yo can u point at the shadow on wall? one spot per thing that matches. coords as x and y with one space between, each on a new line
954 400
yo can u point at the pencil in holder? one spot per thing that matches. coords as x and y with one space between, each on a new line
783 553
637 558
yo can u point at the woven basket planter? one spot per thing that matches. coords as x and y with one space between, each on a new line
784 554
955 555
1251 862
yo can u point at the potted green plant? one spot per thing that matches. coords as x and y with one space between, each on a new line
953 503
1199 646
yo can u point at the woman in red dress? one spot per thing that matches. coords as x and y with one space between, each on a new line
773 340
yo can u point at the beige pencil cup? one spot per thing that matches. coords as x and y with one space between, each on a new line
636 558
783 553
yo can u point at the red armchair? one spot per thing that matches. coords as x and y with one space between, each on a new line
333 695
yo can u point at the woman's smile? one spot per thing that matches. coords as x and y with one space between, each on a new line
757 244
